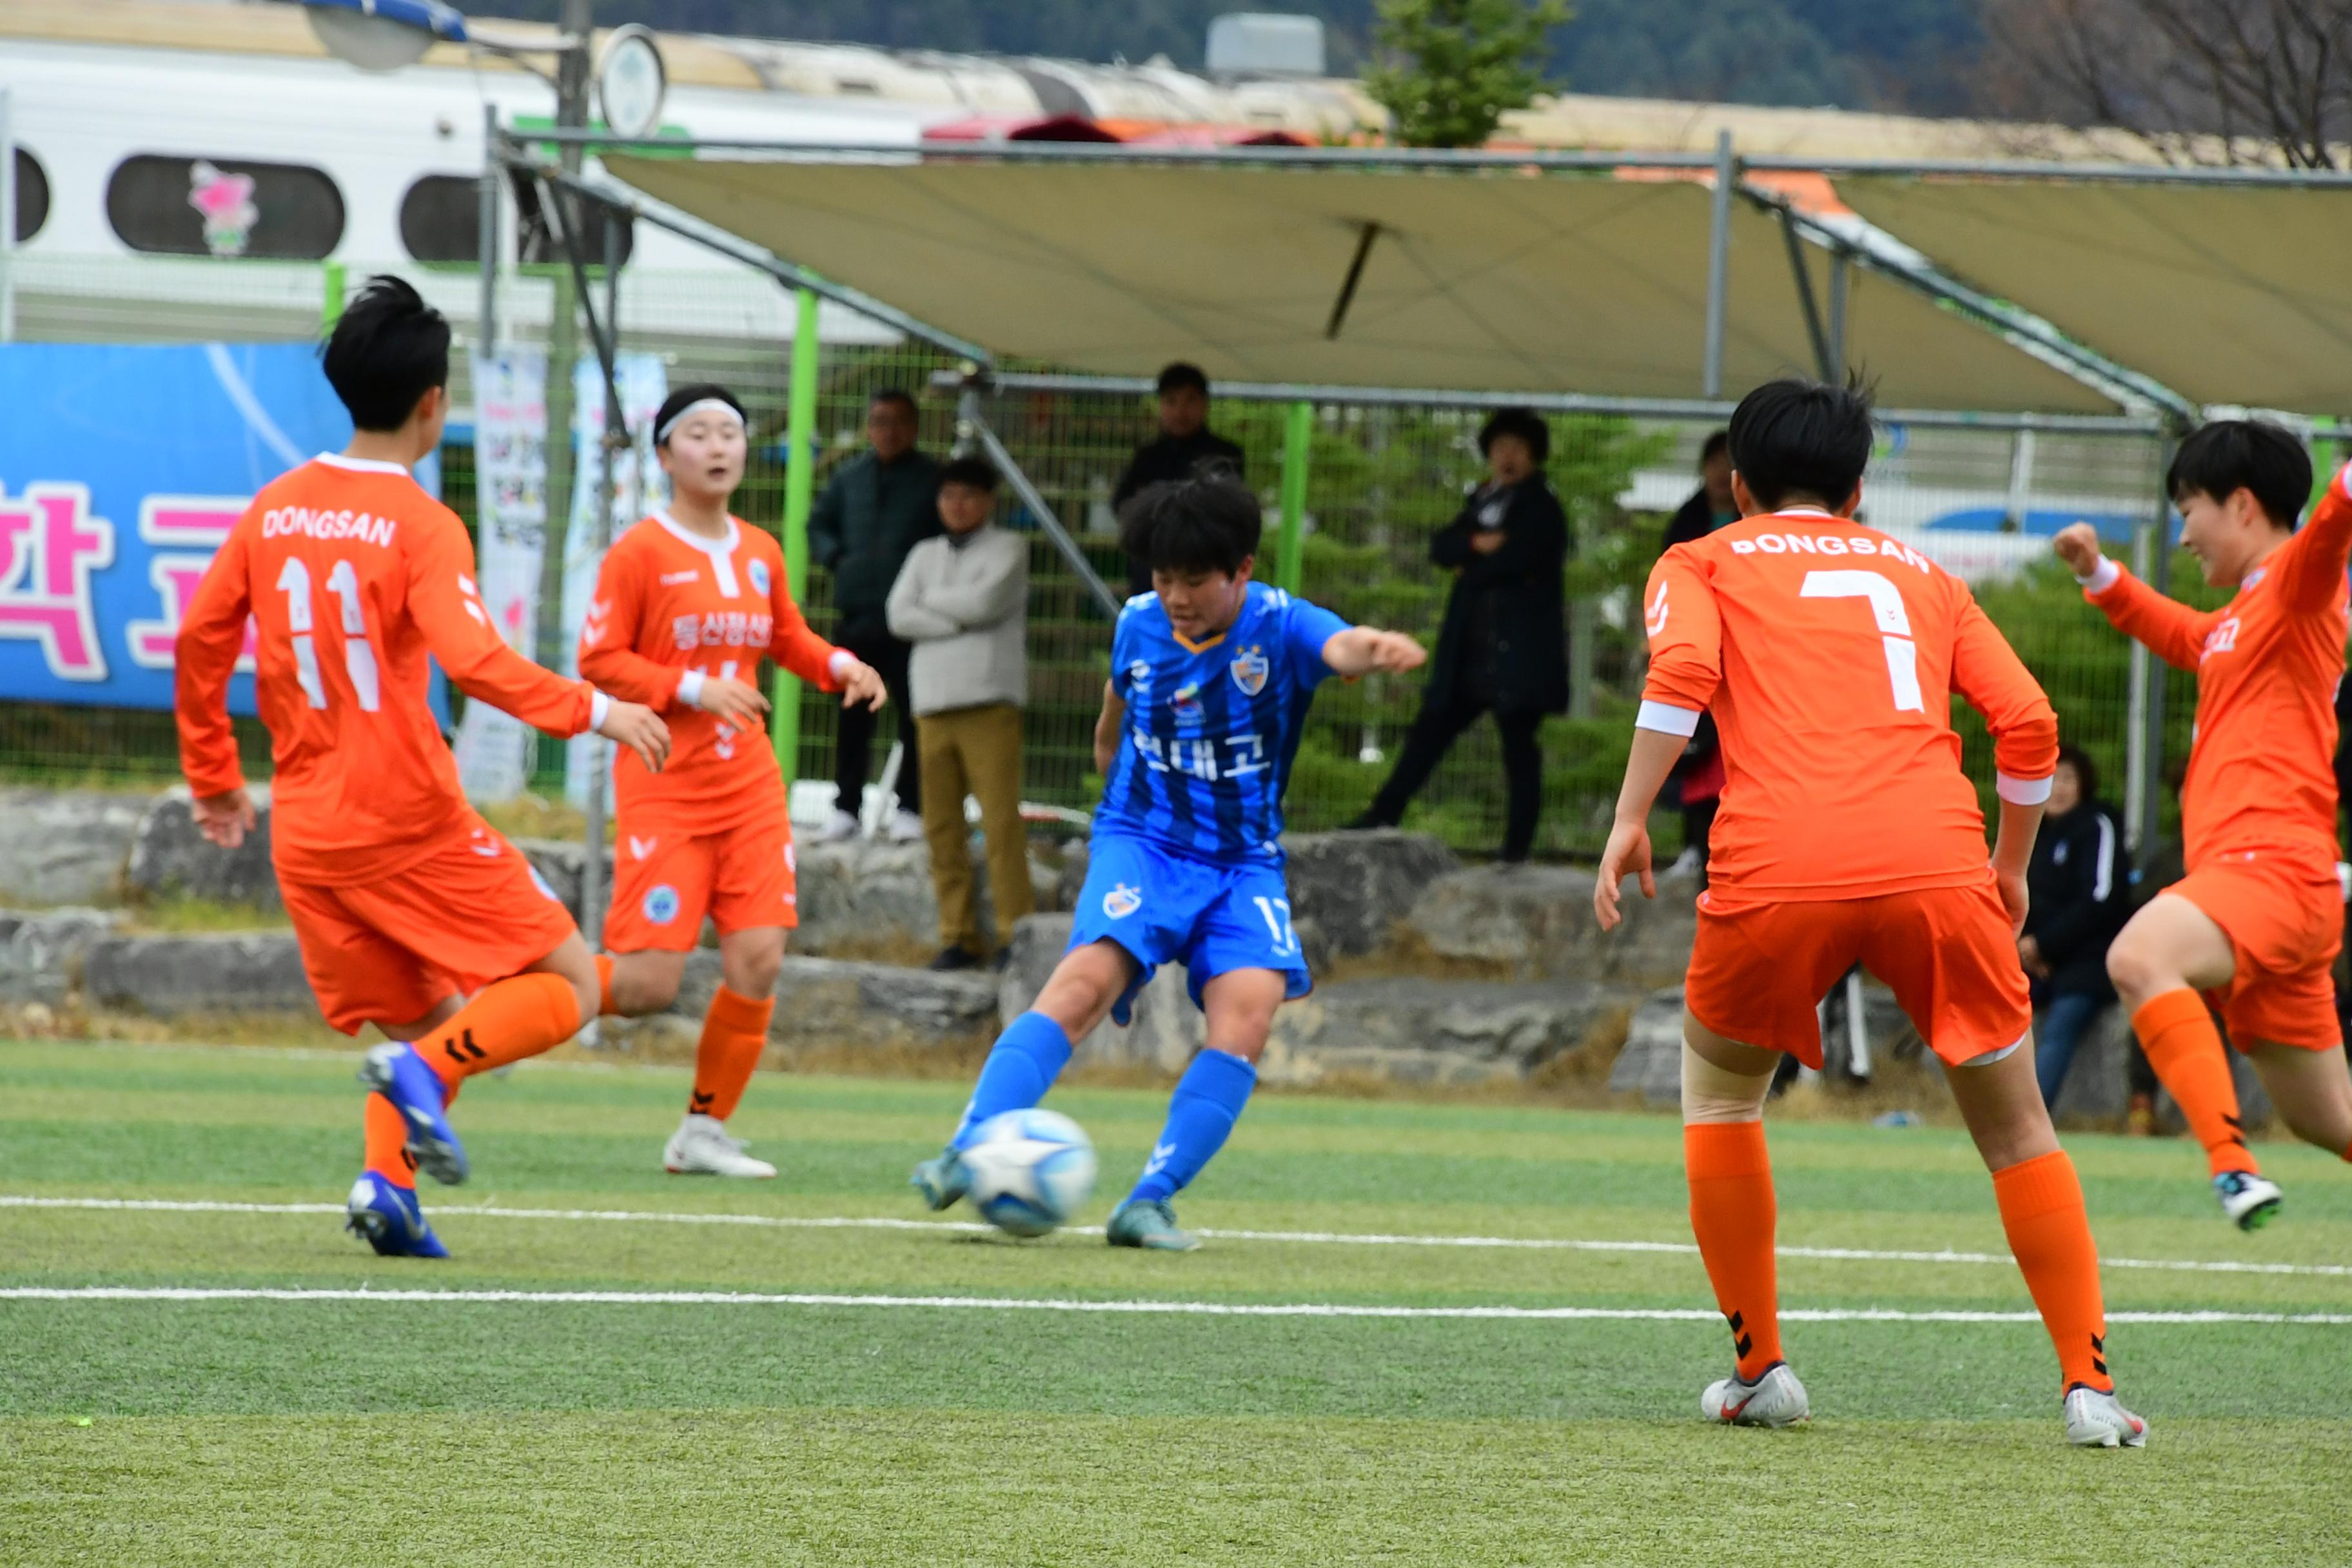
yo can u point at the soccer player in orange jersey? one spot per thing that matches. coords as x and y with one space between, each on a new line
688 603
2256 922
412 914
1828 653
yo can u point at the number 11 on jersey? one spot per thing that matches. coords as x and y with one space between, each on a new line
359 655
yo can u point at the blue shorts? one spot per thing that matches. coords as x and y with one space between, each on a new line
1167 908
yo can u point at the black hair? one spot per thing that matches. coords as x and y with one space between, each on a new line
1208 522
898 395
2230 455
1795 436
1524 423
685 397
2087 772
1714 447
388 349
978 473
1182 373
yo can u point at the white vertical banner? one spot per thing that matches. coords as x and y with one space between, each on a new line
639 485
510 484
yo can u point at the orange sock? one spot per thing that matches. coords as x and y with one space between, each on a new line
504 1023
2184 1051
2041 1209
1733 1212
734 1032
386 1143
604 986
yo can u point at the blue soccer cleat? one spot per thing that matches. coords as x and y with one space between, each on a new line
942 1180
395 1071
389 1219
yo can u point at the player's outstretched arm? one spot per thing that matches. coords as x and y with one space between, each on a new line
2172 631
212 637
1359 651
2310 568
1628 852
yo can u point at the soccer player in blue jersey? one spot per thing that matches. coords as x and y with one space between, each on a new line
1211 678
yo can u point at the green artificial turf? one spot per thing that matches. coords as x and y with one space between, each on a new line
318 1430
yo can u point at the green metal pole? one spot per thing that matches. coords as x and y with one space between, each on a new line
331 294
1296 432
799 480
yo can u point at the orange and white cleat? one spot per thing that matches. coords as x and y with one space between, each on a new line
1774 1399
2098 1420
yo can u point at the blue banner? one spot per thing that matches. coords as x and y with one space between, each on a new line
121 469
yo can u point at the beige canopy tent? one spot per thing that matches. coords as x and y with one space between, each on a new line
2232 291
1491 280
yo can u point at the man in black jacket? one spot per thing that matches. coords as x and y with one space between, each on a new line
1184 439
1503 648
2079 885
876 507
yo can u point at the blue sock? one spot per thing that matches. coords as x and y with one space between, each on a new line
1019 1069
1200 1115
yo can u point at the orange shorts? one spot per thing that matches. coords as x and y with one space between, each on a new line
2284 918
664 881
1758 970
390 950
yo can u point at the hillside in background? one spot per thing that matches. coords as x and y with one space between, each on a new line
1913 56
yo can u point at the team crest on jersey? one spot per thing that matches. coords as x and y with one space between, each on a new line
1186 701
1122 901
758 572
661 905
1250 667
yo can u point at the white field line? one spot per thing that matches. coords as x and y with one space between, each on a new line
1033 1304
1308 1237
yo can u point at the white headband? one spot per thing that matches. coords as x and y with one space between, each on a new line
700 407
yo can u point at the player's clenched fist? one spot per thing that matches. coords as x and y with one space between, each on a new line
639 728
738 702
861 682
2077 544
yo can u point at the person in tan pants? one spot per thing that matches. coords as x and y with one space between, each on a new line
962 601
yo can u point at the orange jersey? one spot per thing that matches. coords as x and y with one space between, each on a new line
2261 770
355 575
1828 653
672 609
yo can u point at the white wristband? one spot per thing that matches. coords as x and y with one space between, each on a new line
838 665
1667 719
2103 576
689 689
600 708
2020 792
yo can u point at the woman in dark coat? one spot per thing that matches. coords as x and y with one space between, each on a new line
1503 648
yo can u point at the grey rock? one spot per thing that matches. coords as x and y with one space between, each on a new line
2097 1087
1348 891
41 952
865 892
1651 1064
837 1003
169 858
1532 921
1411 1030
166 976
560 862
64 847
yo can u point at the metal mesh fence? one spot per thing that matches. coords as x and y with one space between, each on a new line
1382 480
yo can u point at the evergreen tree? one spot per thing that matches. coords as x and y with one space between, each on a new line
1450 69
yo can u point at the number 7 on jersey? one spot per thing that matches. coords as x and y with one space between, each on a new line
1893 625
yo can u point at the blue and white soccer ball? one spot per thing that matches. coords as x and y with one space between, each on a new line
1029 1170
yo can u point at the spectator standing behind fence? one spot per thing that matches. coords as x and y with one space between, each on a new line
876 507
1503 648
1698 776
962 601
1171 457
2079 882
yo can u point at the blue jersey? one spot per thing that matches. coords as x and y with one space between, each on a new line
1212 730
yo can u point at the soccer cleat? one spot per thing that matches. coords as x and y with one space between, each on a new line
942 1180
2251 1201
701 1147
1774 1399
1150 1224
2096 1420
396 1073
388 1218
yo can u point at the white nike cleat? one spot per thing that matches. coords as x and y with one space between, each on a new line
904 826
2250 1201
2096 1420
840 825
1774 1399
701 1147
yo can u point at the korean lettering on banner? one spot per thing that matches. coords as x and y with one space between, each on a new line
510 482
638 487
122 472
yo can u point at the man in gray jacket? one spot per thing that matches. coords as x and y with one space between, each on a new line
874 509
961 600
